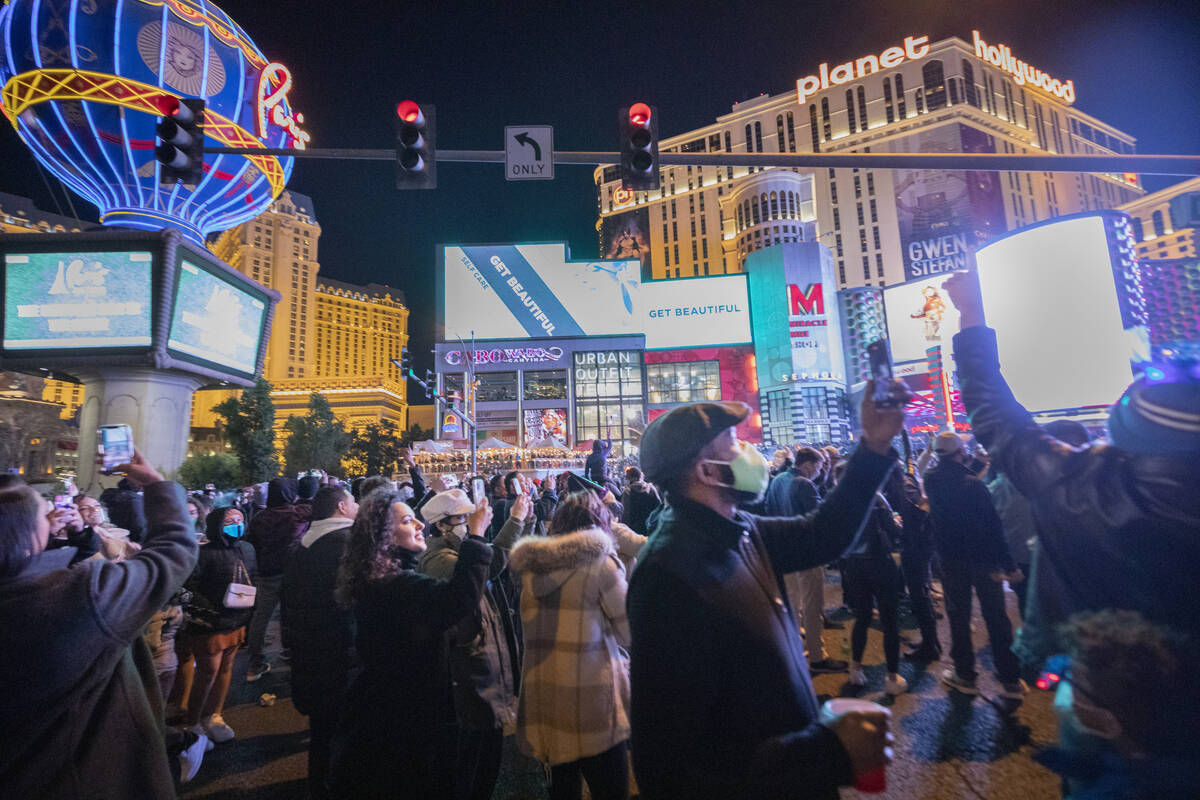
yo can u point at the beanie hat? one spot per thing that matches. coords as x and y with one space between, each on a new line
307 487
446 504
672 441
1157 418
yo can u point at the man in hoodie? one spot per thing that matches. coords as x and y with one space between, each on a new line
319 633
639 501
275 532
306 490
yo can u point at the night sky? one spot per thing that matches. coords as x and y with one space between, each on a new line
573 64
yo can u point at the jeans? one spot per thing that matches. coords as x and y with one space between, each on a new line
874 582
958 578
479 756
806 593
265 601
607 776
914 564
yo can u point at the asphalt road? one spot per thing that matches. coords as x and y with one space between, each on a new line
948 746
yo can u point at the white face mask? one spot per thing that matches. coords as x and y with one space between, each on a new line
456 532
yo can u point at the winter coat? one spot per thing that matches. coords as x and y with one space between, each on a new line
789 494
639 500
723 705
1115 529
217 567
396 736
629 544
575 689
318 632
82 714
485 651
1016 517
966 527
878 537
275 531
595 467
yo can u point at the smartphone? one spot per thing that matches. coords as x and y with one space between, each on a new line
450 480
114 445
880 357
478 489
62 501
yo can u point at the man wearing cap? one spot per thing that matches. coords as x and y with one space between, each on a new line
485 654
1118 525
970 541
722 702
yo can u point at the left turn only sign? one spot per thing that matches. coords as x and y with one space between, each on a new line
529 152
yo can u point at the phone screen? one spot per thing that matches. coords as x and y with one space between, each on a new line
62 501
880 357
477 489
115 445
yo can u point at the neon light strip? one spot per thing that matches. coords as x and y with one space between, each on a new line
44 85
205 177
118 179
124 125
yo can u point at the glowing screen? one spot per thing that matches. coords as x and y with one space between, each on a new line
214 320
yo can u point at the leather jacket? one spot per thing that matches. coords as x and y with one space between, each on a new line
1116 529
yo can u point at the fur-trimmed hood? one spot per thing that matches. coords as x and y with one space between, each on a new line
557 557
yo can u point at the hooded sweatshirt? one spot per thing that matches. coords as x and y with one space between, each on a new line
276 531
575 686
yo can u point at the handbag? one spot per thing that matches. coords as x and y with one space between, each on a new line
240 595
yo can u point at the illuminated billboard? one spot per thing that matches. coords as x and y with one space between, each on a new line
214 320
522 291
919 316
74 300
1063 299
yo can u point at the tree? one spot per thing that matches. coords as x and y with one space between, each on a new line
318 440
249 423
415 433
374 451
220 469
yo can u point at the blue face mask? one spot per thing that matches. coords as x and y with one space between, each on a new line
233 530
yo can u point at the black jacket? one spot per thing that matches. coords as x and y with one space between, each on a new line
318 632
1115 529
639 501
392 737
722 703
86 543
216 568
966 526
595 468
275 531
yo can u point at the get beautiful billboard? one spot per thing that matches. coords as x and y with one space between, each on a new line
535 291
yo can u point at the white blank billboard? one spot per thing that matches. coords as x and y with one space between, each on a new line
1050 295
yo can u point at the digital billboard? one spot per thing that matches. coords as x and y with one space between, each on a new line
919 316
213 320
72 300
536 291
1064 334
627 236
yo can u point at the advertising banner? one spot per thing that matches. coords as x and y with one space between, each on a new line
944 214
535 291
797 323
627 236
77 300
546 423
214 320
919 316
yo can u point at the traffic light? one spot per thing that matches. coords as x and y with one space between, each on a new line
179 148
405 364
416 146
639 147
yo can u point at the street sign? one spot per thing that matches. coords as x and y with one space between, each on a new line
529 153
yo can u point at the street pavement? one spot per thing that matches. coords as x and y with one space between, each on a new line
948 746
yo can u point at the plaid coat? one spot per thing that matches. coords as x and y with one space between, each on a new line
575 686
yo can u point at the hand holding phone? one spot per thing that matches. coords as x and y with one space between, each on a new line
114 445
478 489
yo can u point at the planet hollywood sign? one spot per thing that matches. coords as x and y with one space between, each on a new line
506 355
915 47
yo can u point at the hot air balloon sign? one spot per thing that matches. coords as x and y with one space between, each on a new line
83 81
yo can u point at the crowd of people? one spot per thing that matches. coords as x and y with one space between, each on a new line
653 632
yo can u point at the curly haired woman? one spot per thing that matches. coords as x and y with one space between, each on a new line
396 738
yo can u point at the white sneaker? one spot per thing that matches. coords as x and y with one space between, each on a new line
895 684
191 757
199 730
217 730
857 676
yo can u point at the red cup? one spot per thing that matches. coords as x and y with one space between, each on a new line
875 781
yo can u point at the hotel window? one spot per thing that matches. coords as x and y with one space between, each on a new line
860 213
862 240
850 110
758 143
900 96
749 140
879 266
837 238
774 205
676 254
754 213
826 123
703 226
919 100
866 268
862 108
1160 227
833 198
934 78
686 382
842 271
874 210
740 225
875 231
837 220
704 247
969 83
779 131
871 183
857 186
791 132
812 128
1139 233
546 384
887 100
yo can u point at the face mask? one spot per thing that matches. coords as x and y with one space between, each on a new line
751 472
457 532
233 530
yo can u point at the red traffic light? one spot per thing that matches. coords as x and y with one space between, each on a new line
167 105
409 111
639 114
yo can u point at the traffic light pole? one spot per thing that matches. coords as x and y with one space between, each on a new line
1144 164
